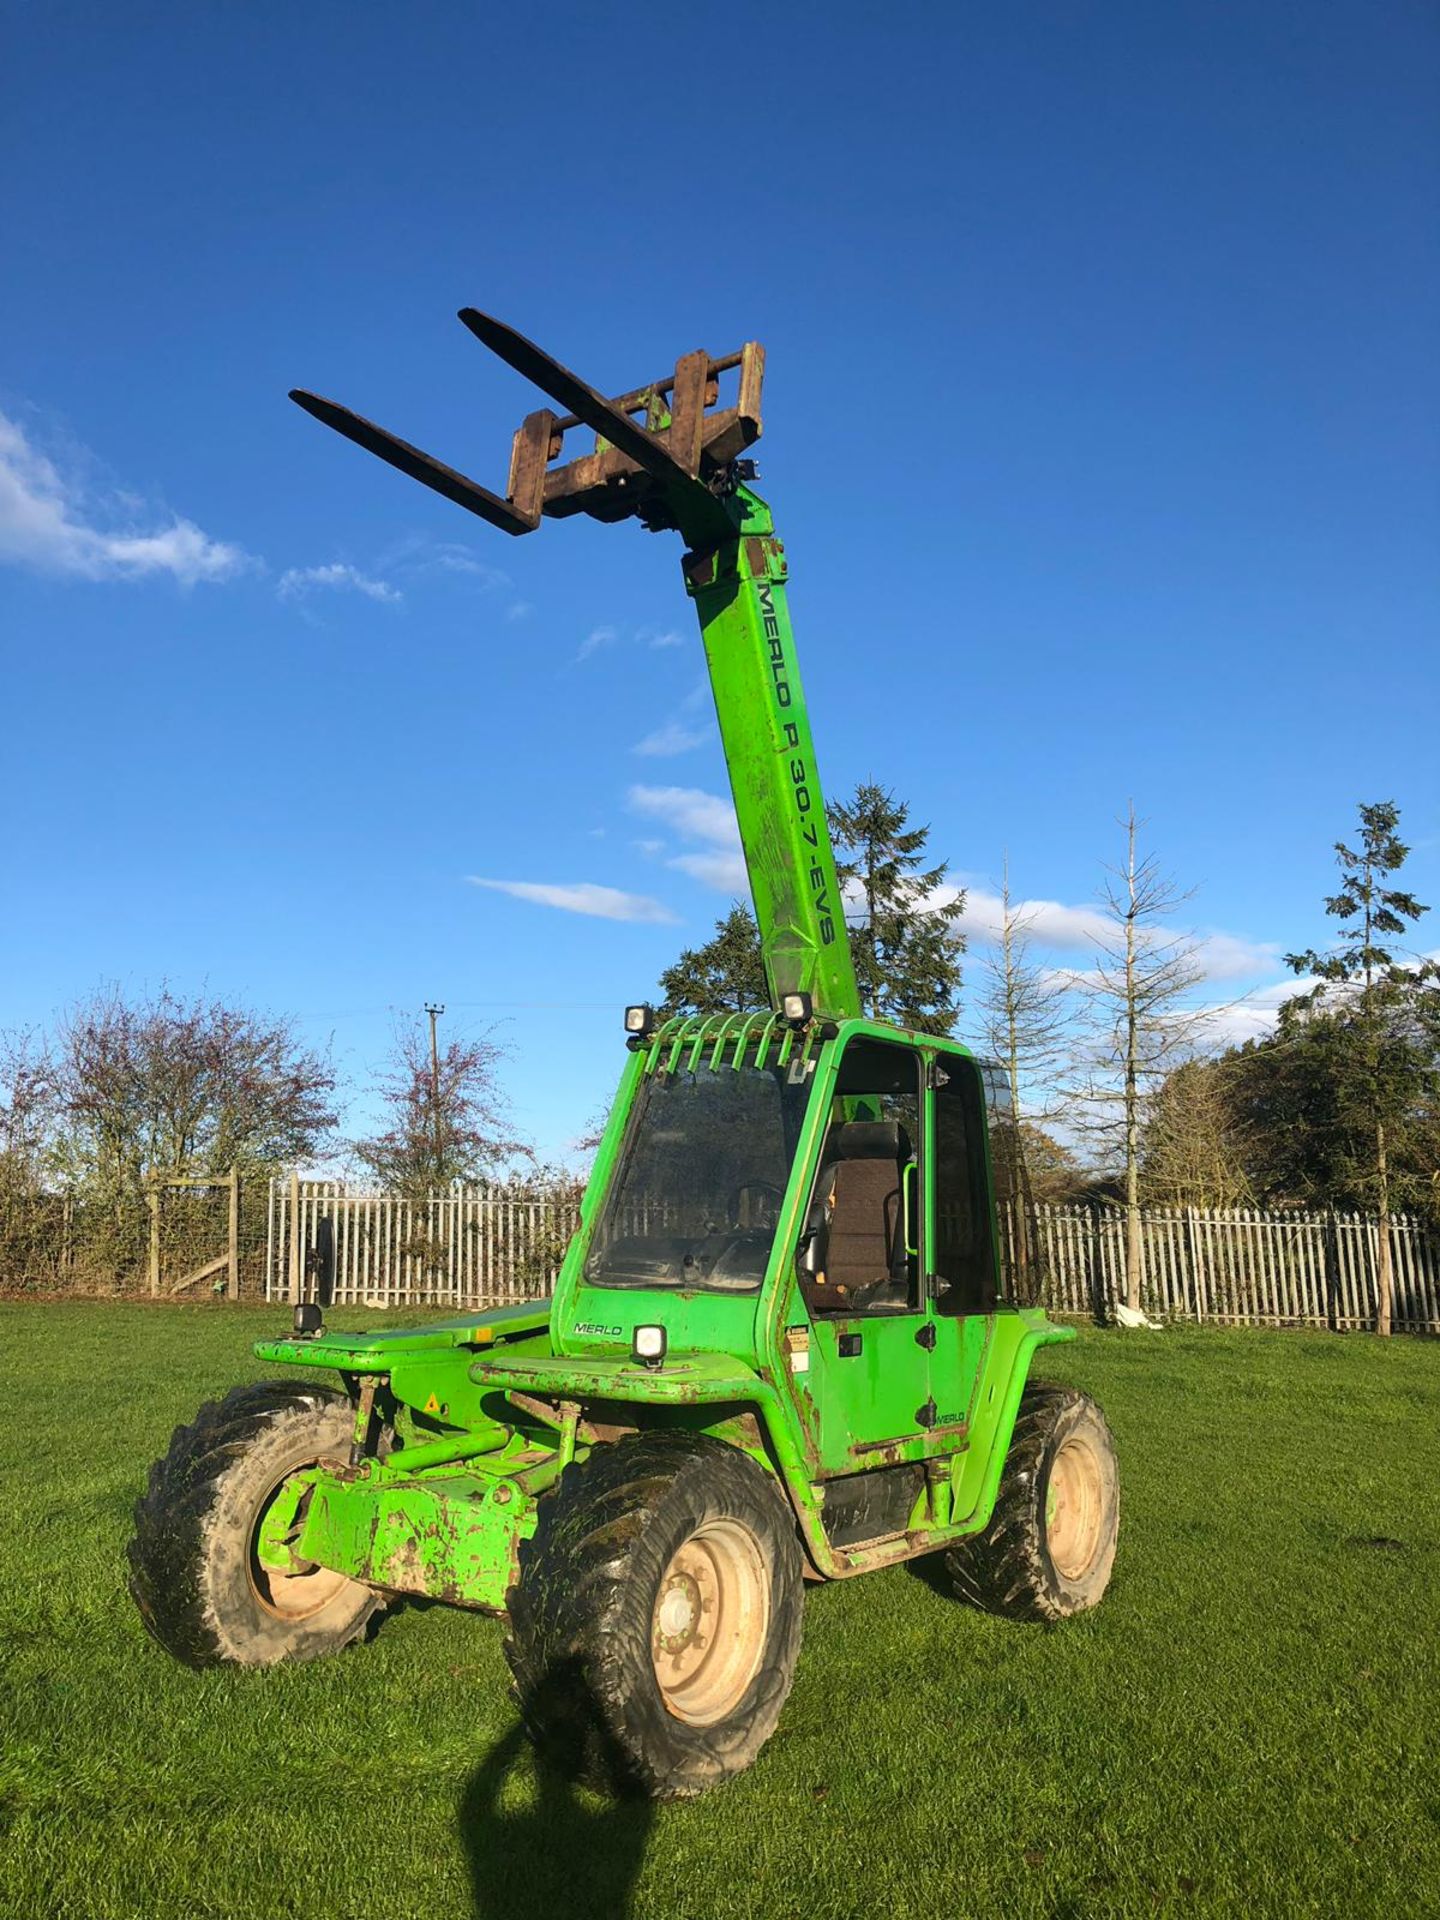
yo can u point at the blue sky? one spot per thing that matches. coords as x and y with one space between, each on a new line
1101 428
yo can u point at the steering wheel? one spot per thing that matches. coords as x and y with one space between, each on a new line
754 1186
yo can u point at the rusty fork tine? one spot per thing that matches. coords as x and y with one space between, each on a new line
419 466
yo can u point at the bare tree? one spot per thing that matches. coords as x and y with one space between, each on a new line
1136 1023
164 1085
447 1116
27 1111
132 1089
1023 1022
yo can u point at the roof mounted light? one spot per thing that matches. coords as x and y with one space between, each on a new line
796 1009
640 1022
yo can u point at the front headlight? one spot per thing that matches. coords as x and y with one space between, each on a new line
648 1346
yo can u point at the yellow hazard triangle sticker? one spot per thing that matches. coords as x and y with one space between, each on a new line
432 1405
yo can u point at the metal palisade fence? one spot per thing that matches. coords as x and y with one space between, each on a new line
1238 1266
477 1245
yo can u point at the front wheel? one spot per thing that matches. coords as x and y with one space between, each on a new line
1050 1544
656 1624
195 1569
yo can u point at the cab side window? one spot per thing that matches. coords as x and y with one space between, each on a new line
963 1256
859 1251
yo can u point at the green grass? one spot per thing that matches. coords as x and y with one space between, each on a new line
1250 1724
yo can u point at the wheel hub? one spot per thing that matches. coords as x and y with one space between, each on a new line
678 1611
1074 1507
710 1622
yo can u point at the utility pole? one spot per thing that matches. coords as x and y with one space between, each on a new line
435 1013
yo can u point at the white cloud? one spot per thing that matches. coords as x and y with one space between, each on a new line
1049 923
691 812
670 739
450 557
1079 929
724 871
1225 956
583 896
47 522
597 638
519 610
296 582
1252 1016
667 639
694 814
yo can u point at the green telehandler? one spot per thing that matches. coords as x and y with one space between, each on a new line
781 1345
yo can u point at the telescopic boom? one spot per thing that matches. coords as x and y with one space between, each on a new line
670 456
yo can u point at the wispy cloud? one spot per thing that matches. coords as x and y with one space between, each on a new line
672 737
611 634
51 523
594 641
417 556
583 896
296 582
690 811
449 556
723 871
694 814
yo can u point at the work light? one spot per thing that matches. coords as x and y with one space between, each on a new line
639 1021
796 1009
648 1346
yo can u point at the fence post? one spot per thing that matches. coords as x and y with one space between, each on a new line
297 1263
1098 1293
152 1195
232 1270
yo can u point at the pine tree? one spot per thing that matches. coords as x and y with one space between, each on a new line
902 916
1386 1009
725 975
904 942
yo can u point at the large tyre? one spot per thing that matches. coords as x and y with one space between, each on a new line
195 1576
656 1623
1050 1544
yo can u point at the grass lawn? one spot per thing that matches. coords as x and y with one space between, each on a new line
1250 1724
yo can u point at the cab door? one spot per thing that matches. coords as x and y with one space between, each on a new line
862 1268
963 1272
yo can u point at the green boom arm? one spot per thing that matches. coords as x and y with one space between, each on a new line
676 466
739 592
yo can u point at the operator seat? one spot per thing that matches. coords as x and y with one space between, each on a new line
859 1217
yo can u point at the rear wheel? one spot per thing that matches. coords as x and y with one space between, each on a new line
196 1572
656 1624
1050 1545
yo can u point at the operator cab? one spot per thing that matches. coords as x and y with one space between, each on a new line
887 1148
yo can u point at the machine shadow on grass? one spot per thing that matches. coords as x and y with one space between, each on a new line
554 1848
